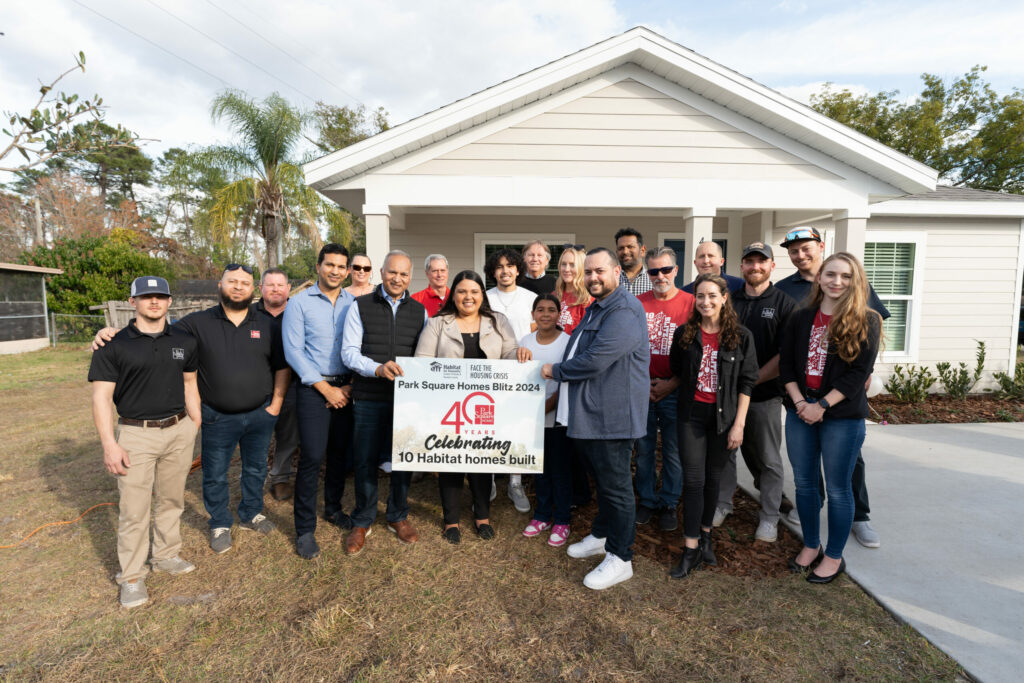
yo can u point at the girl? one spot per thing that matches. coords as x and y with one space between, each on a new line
570 289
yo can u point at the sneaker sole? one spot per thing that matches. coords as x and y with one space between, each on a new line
157 570
589 553
135 603
869 544
220 552
770 539
557 545
617 580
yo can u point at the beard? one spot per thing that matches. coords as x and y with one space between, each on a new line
230 304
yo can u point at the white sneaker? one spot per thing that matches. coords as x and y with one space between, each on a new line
175 566
793 517
865 535
767 532
134 594
720 515
588 547
494 488
610 572
518 496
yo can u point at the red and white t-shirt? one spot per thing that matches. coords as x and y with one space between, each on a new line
707 375
571 314
663 317
817 350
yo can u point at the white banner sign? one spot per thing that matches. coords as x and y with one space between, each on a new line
455 415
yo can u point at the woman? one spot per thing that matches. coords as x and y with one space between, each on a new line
553 487
360 273
570 289
713 357
466 327
826 354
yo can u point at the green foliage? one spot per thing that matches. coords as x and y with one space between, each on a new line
1011 387
115 171
909 384
963 129
339 127
957 381
96 269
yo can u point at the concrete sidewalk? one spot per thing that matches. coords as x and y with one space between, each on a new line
948 503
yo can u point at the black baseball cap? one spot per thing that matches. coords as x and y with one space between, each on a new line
150 284
758 248
804 232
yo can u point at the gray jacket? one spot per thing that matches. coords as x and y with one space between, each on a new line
609 382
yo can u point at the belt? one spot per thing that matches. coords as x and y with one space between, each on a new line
336 379
157 424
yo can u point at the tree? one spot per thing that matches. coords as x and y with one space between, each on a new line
59 124
266 189
339 127
963 129
115 171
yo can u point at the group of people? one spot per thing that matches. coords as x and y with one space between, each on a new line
626 355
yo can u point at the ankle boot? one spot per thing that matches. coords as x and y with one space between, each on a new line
690 561
707 550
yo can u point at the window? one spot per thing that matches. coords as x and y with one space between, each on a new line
487 244
894 270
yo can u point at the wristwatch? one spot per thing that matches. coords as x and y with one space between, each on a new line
823 403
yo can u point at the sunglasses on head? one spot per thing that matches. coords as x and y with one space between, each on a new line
801 234
236 266
577 247
362 269
664 270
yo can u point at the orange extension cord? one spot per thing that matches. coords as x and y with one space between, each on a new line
195 465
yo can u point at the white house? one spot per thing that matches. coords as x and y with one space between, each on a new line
637 130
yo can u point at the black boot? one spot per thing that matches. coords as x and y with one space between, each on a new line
690 561
707 550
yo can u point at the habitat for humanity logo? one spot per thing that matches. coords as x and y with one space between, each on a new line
447 370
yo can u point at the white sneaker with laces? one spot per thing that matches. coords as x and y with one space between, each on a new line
767 532
865 535
588 547
175 566
720 515
134 594
611 571
518 496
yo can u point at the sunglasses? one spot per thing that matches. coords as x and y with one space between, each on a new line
362 269
802 234
665 270
577 247
236 266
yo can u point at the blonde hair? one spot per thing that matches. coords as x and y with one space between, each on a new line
577 288
853 321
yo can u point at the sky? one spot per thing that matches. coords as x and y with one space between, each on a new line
157 63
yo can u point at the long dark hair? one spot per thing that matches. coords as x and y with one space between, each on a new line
729 334
449 305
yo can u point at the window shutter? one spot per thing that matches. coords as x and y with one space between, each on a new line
890 267
895 327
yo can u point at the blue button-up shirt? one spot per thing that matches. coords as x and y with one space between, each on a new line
352 344
312 329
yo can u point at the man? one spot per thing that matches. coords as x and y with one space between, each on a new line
629 246
380 327
667 308
516 304
148 370
243 378
709 259
436 291
537 256
603 402
313 324
807 251
274 292
763 309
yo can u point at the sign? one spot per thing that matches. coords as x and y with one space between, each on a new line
468 415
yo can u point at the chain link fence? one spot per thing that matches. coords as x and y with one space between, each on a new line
68 328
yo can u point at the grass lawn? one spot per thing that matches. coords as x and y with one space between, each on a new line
511 608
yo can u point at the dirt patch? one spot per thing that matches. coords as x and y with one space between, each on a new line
942 409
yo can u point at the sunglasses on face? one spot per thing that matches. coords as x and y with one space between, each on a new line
801 234
236 266
655 272
577 247
362 269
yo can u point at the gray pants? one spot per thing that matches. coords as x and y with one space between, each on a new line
284 444
762 442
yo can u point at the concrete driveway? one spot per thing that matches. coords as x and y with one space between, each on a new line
948 503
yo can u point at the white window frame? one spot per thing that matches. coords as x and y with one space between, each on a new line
482 239
919 239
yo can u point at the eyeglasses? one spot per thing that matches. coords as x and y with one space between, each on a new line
802 234
655 272
236 266
362 269
577 247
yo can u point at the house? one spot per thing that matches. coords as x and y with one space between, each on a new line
24 321
637 130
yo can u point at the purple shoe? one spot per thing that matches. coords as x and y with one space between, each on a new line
559 535
535 527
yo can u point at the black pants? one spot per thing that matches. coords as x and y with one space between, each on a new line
323 432
704 455
450 484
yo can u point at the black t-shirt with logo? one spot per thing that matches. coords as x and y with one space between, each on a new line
147 370
764 316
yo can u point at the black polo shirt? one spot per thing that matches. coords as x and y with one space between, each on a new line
799 288
764 316
148 371
236 363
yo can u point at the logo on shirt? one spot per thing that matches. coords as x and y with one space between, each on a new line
177 354
707 375
254 334
660 330
767 312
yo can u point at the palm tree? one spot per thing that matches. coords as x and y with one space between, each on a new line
268 190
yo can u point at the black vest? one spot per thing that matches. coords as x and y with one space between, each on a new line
386 336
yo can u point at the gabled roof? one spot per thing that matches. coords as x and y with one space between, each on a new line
659 55
947 193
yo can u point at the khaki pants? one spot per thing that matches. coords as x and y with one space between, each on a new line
160 461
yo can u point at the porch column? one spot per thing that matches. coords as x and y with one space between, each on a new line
698 224
851 226
378 236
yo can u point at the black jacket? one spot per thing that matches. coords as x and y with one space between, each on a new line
848 378
386 336
764 316
737 374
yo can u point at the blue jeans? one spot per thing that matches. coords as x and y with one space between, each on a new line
661 415
372 434
221 432
554 486
616 505
832 445
323 432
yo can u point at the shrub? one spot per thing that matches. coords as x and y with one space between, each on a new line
1011 387
909 384
956 381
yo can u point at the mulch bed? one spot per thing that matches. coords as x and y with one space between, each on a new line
938 408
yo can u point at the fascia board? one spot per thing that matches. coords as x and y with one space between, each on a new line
896 207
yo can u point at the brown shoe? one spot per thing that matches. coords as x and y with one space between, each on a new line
356 539
404 531
282 491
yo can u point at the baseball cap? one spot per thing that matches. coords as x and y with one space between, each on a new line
757 248
150 284
799 234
